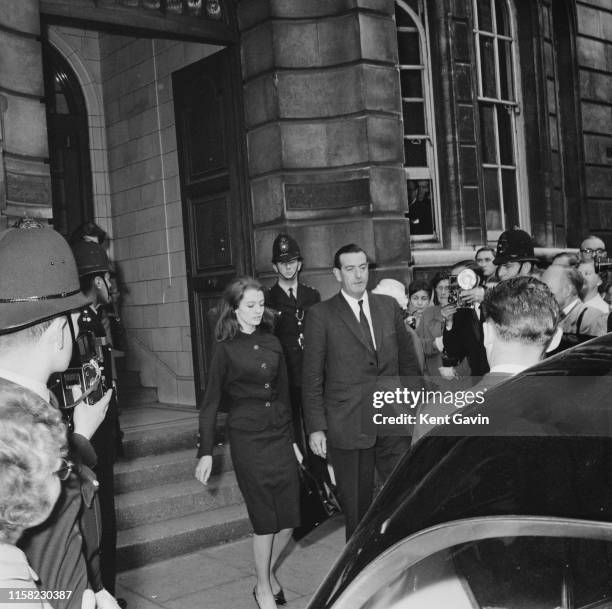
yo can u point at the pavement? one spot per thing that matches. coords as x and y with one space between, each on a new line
223 577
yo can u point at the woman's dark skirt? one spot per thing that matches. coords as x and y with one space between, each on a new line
267 474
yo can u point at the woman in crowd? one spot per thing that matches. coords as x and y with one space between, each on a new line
32 439
419 294
432 323
248 368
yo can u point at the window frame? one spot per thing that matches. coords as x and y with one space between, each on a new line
430 171
514 107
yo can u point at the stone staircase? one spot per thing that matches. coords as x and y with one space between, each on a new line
162 510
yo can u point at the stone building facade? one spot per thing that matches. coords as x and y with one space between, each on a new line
194 131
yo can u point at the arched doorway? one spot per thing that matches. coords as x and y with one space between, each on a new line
67 129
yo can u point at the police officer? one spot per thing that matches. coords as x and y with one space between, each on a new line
39 303
291 300
94 274
514 256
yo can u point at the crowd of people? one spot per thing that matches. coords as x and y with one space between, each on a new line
296 373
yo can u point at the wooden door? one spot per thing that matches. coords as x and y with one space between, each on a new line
213 190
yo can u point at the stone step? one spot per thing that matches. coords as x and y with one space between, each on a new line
160 438
152 542
153 470
135 395
175 500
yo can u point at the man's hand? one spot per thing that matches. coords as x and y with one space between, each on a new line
105 600
318 443
203 469
472 296
447 312
87 417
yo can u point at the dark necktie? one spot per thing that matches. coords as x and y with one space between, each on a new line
292 297
365 326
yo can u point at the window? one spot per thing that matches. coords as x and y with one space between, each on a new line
498 111
417 110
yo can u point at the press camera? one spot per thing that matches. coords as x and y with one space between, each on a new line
91 371
465 280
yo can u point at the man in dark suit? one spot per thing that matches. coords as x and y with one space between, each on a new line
353 341
462 337
521 324
290 300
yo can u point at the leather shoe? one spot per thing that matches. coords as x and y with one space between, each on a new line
123 603
279 597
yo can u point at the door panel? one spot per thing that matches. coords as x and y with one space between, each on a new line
213 192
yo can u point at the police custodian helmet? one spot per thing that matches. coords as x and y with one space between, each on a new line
285 249
514 245
91 258
39 278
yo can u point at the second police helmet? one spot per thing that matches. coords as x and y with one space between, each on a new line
285 249
514 245
91 258
39 278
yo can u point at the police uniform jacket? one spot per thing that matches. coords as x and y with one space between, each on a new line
288 317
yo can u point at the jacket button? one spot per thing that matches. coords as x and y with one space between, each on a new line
267 386
264 365
255 347
268 404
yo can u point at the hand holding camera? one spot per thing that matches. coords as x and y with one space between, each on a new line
86 418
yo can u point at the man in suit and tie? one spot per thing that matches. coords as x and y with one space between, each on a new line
353 341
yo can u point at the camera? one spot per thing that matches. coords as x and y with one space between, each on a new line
465 280
411 320
602 264
91 371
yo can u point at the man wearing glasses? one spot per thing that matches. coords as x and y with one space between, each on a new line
592 247
40 299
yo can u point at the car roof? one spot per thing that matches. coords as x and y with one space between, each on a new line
547 451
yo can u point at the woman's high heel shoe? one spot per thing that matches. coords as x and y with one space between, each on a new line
279 597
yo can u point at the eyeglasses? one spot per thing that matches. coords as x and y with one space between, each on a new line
63 473
588 250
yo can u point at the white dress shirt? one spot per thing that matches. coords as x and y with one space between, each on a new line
354 304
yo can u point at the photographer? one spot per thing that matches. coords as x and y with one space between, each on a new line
462 337
94 274
39 303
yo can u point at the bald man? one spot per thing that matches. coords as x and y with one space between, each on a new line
579 322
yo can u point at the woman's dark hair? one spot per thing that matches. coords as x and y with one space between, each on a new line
417 285
227 325
437 278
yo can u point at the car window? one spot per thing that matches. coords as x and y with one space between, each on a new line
530 572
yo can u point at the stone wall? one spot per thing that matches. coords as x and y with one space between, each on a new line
146 206
594 48
324 135
25 183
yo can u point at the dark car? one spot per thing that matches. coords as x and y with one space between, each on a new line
513 511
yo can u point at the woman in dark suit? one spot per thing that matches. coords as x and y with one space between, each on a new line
248 368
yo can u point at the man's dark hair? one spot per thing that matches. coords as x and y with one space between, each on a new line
574 278
88 229
484 248
523 310
351 248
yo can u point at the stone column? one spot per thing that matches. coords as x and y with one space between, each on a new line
324 132
24 175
